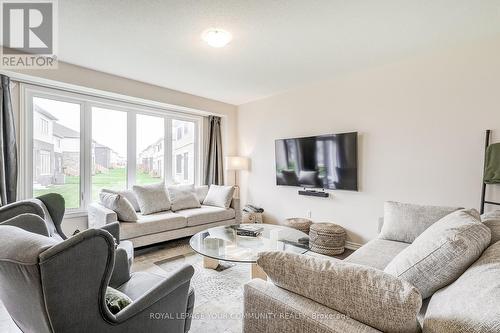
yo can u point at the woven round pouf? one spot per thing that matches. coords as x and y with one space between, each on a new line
298 223
327 238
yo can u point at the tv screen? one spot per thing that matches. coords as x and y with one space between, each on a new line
325 161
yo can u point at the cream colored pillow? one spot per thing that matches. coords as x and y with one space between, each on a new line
219 196
363 293
152 198
120 205
183 198
442 252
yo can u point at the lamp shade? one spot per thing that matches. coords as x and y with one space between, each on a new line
237 163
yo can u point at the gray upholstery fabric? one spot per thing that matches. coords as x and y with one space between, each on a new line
8 145
268 308
51 226
152 223
29 222
348 288
405 222
206 214
54 206
60 287
214 168
492 221
21 207
127 194
377 253
183 197
119 204
442 252
470 304
219 196
152 198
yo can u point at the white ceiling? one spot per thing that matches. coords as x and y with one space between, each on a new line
277 44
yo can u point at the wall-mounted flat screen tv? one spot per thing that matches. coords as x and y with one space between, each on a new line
324 161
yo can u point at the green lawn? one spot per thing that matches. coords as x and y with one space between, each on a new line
114 179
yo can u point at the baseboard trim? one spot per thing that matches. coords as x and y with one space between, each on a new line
352 246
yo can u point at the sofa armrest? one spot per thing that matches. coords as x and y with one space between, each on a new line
236 205
268 308
99 215
29 222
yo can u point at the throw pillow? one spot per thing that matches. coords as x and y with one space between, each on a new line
363 293
127 194
120 205
492 221
470 304
152 198
405 222
116 300
442 252
219 196
183 198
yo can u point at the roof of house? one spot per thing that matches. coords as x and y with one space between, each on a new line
65 132
41 110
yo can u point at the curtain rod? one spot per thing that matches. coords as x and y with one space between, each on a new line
69 87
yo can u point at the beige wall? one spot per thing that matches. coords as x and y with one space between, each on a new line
421 123
89 78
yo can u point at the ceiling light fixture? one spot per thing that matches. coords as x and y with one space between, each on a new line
216 37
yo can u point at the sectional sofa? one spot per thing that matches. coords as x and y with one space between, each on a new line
166 225
434 270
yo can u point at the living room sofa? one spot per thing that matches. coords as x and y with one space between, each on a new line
166 225
471 303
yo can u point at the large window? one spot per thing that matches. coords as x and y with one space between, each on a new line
77 145
150 149
56 148
109 150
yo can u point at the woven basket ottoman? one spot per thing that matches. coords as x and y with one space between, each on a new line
327 238
298 223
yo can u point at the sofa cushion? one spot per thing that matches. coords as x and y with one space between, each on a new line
405 222
206 214
127 194
472 302
201 192
219 196
442 253
120 205
152 224
377 253
363 293
183 198
492 221
152 198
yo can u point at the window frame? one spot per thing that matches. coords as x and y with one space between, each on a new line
86 102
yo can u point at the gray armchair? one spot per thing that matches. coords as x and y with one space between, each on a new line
50 286
50 207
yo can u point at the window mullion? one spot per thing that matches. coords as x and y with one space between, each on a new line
169 178
131 148
86 155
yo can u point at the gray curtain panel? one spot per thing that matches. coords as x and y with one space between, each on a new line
8 153
214 170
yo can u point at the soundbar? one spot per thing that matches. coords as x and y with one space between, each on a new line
313 193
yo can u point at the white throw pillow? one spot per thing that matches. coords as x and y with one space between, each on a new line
219 196
442 252
127 194
404 222
183 198
152 198
120 205
492 221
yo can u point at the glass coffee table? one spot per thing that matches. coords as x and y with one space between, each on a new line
223 244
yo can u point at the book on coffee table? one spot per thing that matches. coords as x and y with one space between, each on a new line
249 230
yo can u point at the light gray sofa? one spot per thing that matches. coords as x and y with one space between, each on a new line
51 286
470 304
166 225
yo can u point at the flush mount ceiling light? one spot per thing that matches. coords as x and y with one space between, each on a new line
216 37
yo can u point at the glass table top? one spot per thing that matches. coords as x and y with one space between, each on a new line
223 243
